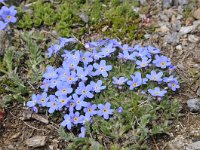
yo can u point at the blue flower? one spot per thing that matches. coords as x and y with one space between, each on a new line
120 81
2 25
86 58
63 89
52 104
34 101
153 50
53 49
108 50
97 87
136 80
83 131
90 109
85 91
45 85
76 118
155 76
79 101
144 63
125 55
101 69
104 110
157 92
65 41
87 118
162 61
174 85
8 14
42 99
63 100
67 122
120 110
51 73
82 73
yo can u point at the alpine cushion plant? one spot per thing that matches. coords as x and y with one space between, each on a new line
72 87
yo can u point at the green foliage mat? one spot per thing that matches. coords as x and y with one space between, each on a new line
113 18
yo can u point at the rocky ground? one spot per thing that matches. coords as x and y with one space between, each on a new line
177 34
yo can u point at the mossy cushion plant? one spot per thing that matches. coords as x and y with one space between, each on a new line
115 18
109 80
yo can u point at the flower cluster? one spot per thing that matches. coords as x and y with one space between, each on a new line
7 15
147 58
71 87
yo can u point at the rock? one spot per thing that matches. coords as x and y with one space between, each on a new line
147 36
183 2
143 2
198 91
11 147
196 14
177 144
163 29
193 146
179 47
193 38
167 3
163 17
194 105
4 43
189 21
36 141
84 17
187 29
172 38
176 26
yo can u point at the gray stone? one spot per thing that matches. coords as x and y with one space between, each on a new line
172 38
177 144
183 2
194 105
198 91
84 17
147 36
196 14
187 29
193 38
143 2
179 47
176 26
167 3
36 141
193 146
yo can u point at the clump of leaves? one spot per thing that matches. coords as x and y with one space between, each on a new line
111 18
20 69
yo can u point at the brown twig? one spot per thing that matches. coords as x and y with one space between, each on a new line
33 127
154 141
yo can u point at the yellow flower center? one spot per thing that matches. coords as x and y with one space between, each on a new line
71 104
102 69
104 110
9 17
135 84
162 63
63 101
89 110
75 119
